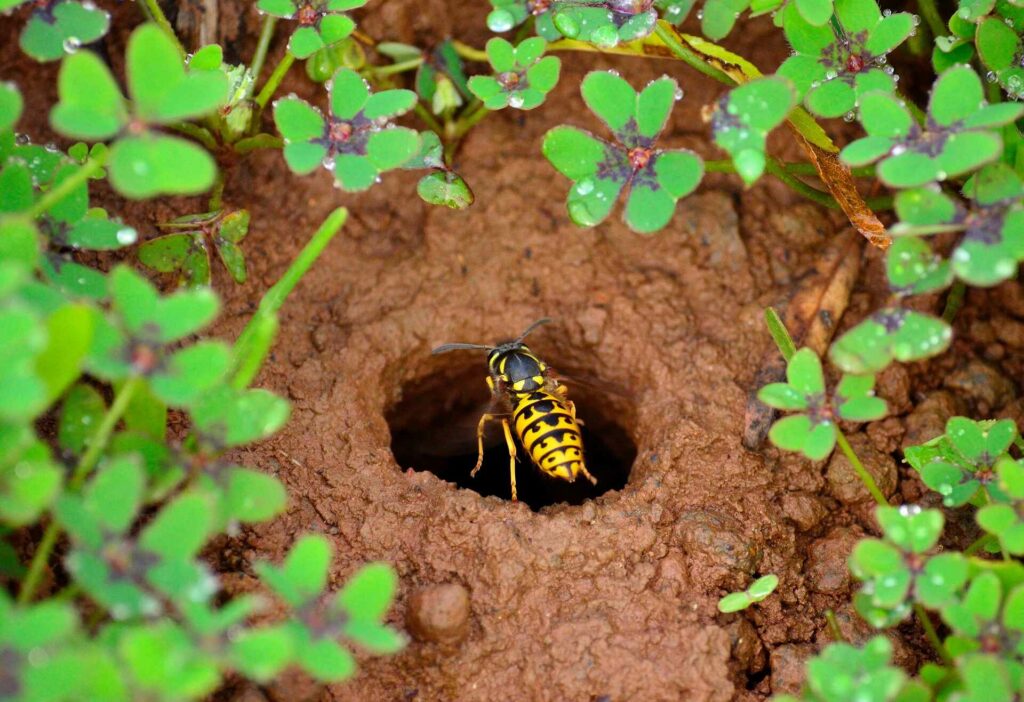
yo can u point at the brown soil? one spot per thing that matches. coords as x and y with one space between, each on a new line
608 597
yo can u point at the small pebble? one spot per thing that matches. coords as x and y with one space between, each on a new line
929 418
787 664
984 385
843 482
439 613
827 568
805 509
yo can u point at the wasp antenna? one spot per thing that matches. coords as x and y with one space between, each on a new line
445 348
539 322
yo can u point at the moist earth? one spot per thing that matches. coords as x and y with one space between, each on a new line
568 595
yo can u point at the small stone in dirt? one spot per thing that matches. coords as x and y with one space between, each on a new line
929 418
1010 296
843 482
439 613
805 509
893 386
1014 411
980 382
747 649
717 542
827 570
249 693
1010 331
787 663
886 434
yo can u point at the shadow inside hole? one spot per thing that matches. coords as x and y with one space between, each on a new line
433 428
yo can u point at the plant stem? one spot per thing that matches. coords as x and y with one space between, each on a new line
157 13
424 114
257 142
57 193
266 34
931 634
468 52
200 134
822 198
275 79
85 465
690 57
932 17
833 625
859 469
394 68
217 194
978 544
954 301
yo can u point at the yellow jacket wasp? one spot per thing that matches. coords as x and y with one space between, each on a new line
538 407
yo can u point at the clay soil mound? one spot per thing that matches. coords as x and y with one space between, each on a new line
575 593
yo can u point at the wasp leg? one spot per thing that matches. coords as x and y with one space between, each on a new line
511 457
480 442
592 479
571 406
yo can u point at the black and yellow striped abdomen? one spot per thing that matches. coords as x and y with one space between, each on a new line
549 433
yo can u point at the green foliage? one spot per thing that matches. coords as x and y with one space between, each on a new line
358 141
603 23
509 14
186 249
321 23
844 673
59 27
142 161
813 431
834 69
654 179
523 76
891 333
758 590
744 117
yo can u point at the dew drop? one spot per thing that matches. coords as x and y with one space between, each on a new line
585 186
516 100
72 44
126 236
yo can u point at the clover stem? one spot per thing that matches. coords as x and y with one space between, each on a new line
822 198
266 34
931 634
257 142
456 130
85 465
200 134
270 87
158 16
932 17
468 52
217 193
688 56
400 67
859 469
66 186
978 544
833 625
424 114
954 301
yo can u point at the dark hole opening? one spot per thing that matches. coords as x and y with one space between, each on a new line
433 428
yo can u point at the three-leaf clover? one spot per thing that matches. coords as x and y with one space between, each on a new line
744 117
1006 519
914 269
58 27
890 333
186 248
959 136
833 72
143 162
509 14
655 179
522 77
896 569
813 431
321 22
357 140
968 464
983 619
845 673
604 23
321 618
139 342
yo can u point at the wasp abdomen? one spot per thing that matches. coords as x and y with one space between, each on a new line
549 433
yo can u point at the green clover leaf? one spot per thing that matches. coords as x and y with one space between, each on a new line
844 673
813 432
321 22
604 23
11 106
522 77
890 333
896 569
509 14
982 619
29 477
675 11
654 179
914 269
1005 520
958 137
833 73
758 590
744 117
357 141
143 163
187 250
59 27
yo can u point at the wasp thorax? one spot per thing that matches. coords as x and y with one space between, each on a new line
341 131
307 15
639 157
